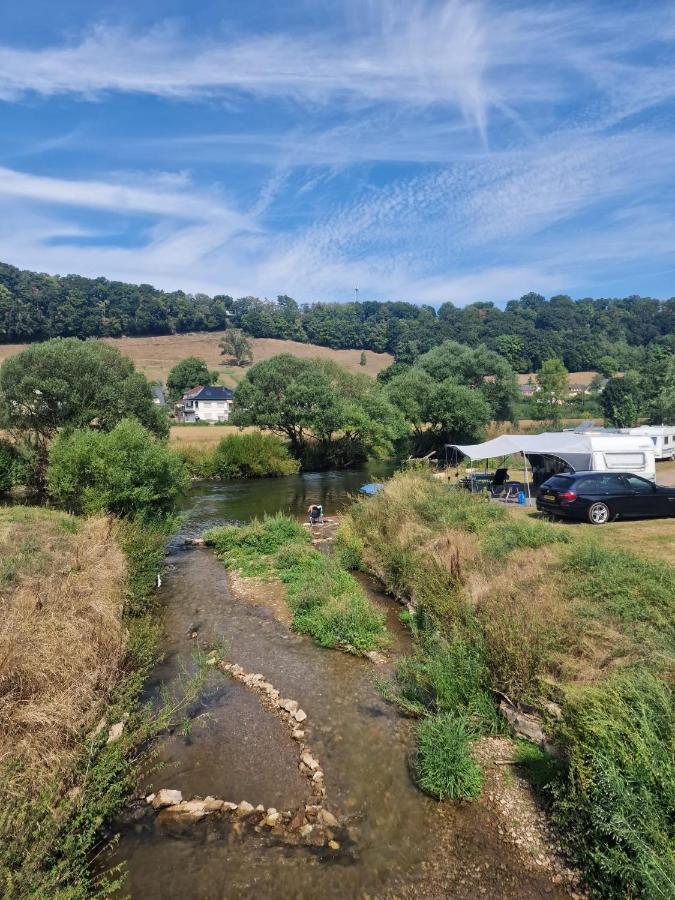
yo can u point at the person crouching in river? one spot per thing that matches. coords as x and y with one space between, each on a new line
315 513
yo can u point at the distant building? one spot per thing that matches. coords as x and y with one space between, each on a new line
580 383
205 404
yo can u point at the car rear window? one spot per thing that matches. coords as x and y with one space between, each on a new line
557 482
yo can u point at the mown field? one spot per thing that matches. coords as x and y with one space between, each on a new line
156 355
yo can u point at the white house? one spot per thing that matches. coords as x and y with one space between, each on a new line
205 404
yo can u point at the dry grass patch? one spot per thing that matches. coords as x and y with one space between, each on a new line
156 355
205 437
61 594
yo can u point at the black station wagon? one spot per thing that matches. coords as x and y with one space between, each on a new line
599 497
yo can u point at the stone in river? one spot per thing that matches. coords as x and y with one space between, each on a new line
245 808
300 715
309 760
327 818
166 797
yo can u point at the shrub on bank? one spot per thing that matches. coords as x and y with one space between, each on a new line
124 472
251 455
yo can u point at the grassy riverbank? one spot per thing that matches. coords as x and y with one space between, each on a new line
507 604
77 642
326 601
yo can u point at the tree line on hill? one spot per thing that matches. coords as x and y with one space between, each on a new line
607 335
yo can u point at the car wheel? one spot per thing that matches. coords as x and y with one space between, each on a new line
598 513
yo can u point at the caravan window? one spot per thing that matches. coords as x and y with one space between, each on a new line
625 460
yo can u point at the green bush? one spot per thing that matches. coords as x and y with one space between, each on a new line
124 472
13 469
253 455
200 461
443 765
616 805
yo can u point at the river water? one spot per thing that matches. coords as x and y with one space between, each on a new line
401 843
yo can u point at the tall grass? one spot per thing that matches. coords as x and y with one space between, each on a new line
326 601
616 804
442 764
67 654
447 675
78 643
634 592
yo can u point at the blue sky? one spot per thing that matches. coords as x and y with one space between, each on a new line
426 151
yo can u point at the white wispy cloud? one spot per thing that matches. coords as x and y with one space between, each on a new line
419 55
481 212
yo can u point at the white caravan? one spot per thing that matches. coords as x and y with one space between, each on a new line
662 437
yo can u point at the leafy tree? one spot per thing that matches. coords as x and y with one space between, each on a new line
319 406
411 393
125 472
291 396
369 423
459 413
362 359
66 382
657 383
477 368
620 400
553 390
188 373
607 366
237 346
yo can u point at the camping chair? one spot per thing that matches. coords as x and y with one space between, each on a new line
499 482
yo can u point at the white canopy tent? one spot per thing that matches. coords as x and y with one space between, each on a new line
575 449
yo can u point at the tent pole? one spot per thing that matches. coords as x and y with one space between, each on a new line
527 483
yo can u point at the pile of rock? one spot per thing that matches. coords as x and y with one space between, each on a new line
310 824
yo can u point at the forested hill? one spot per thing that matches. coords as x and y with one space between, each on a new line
583 333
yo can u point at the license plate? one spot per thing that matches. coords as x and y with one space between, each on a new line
550 498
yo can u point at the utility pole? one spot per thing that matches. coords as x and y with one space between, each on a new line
356 295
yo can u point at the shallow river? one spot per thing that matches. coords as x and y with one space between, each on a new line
401 843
